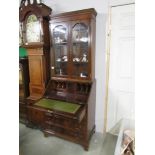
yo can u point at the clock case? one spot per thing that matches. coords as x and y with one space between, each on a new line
38 52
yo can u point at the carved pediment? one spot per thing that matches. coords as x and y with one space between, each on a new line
34 6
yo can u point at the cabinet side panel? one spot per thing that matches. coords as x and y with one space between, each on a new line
91 108
93 42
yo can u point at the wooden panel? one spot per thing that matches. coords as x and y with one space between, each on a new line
36 51
36 90
23 89
37 74
36 116
22 113
78 15
36 69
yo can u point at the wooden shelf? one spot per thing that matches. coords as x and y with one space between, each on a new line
62 43
80 63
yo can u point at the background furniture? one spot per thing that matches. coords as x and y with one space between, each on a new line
34 22
23 84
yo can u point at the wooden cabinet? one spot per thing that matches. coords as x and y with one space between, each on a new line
34 22
73 44
23 88
67 110
66 126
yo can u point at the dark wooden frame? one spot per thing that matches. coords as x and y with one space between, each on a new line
87 16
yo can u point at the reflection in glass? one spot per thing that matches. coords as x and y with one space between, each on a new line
60 49
80 33
39 1
80 43
33 32
60 35
31 1
80 50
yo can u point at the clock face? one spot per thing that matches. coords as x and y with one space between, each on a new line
33 29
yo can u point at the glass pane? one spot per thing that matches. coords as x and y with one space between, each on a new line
33 33
31 1
60 49
80 50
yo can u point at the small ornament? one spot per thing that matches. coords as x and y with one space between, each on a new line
84 58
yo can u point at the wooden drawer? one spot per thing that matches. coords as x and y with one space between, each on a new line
64 121
49 116
63 132
60 121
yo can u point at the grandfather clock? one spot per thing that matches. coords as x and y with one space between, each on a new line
34 23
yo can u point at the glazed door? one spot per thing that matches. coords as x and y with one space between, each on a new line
60 54
80 54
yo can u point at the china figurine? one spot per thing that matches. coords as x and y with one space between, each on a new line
76 59
58 59
64 58
84 58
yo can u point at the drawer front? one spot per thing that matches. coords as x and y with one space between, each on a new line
63 132
65 121
49 119
60 121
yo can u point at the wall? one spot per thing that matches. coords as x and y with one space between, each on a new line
101 7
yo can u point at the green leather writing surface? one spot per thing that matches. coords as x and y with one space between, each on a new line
58 105
22 52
